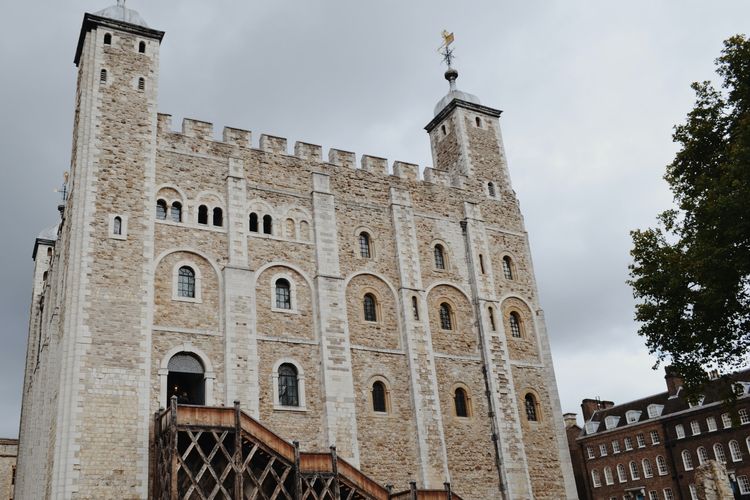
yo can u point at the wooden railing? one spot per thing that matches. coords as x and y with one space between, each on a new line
184 466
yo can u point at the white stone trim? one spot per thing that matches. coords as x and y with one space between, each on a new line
123 227
198 281
373 239
300 385
209 376
292 292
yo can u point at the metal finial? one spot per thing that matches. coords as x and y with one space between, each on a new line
121 3
447 52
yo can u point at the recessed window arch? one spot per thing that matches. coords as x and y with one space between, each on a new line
462 402
380 396
735 451
507 267
661 466
175 211
103 76
622 475
446 316
648 471
530 405
218 217
365 245
491 189
439 254
117 226
288 385
635 473
283 294
291 229
203 214
267 224
370 307
186 282
161 209
608 478
107 39
304 230
142 47
516 328
253 222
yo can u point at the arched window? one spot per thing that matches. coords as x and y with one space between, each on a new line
161 209
415 307
267 224
176 211
492 318
142 47
608 478
283 294
253 226
661 466
107 39
446 321
203 214
439 257
702 455
186 379
304 231
218 218
735 451
507 268
719 453
103 76
461 402
290 229
117 226
364 245
596 481
288 386
515 324
635 474
370 308
491 189
687 460
141 83
379 397
478 121
622 476
530 405
186 282
648 471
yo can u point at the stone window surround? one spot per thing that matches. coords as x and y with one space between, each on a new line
537 404
521 323
198 281
372 239
123 227
378 310
513 266
292 292
469 403
387 385
300 385
447 256
209 376
451 310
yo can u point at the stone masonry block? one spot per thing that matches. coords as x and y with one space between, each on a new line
374 164
341 158
237 136
406 170
273 144
198 129
308 151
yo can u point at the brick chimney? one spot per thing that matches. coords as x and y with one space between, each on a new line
674 380
570 420
590 406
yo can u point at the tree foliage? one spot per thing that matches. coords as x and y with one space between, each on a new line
691 273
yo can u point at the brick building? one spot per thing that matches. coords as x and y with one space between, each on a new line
388 310
8 453
650 448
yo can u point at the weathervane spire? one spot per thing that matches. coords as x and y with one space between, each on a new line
121 3
447 52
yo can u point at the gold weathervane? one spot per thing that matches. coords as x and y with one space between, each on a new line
445 49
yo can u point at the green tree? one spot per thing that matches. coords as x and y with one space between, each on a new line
691 273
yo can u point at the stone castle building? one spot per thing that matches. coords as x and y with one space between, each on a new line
391 312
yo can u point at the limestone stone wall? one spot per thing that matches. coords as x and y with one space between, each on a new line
8 455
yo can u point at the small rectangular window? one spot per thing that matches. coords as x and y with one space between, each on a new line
711 424
655 437
744 416
695 427
590 452
641 440
668 495
679 431
628 443
603 450
744 484
726 420
615 446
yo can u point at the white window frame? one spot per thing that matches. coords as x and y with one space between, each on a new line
632 416
702 457
653 495
695 427
744 416
596 480
668 495
635 473
687 460
711 423
719 450
622 473
615 446
611 421
648 470
292 293
735 451
641 440
743 484
628 441
693 492
591 427
726 420
655 438
609 478
602 450
198 299
654 410
679 430
590 452
123 227
661 466
300 385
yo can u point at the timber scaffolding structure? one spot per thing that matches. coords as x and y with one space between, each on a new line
217 452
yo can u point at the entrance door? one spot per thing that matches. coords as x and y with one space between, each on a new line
186 379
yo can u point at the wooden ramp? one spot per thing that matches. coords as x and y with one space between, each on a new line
206 453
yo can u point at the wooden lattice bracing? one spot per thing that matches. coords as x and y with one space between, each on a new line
219 453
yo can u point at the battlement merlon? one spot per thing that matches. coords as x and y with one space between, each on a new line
91 21
495 113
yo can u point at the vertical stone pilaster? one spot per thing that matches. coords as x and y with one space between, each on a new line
433 459
506 423
237 212
340 422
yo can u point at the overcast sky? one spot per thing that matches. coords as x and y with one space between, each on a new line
590 92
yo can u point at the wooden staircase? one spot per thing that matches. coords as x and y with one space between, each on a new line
206 453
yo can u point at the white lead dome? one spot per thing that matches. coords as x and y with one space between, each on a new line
121 13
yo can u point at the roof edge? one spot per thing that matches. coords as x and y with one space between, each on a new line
463 104
92 20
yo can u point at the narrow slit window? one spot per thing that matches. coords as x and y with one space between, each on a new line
364 246
478 122
515 324
161 209
107 39
492 318
415 307
530 406
203 214
461 403
267 224
370 308
142 47
446 321
507 268
491 189
117 226
283 294
253 225
176 211
481 263
379 397
439 257
218 218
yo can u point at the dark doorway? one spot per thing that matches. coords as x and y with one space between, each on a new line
186 379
